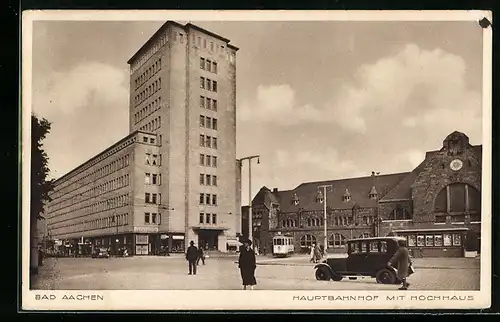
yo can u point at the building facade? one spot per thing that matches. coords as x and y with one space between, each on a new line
179 168
437 206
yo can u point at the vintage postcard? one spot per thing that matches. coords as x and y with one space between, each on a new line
250 160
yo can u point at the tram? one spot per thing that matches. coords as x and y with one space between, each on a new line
282 246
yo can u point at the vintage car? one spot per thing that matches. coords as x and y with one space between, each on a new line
365 257
100 253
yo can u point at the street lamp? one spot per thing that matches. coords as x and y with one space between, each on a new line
250 226
324 187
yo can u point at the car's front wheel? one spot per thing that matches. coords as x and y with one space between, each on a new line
323 274
386 276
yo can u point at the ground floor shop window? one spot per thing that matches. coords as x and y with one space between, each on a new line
434 240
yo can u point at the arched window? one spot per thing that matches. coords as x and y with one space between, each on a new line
458 198
307 240
399 213
336 240
365 235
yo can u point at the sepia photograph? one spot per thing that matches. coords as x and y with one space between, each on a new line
258 160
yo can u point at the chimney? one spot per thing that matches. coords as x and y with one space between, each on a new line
275 189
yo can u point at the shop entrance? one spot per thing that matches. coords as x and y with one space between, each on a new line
208 239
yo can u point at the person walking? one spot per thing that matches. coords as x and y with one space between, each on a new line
201 256
311 253
191 257
401 261
247 265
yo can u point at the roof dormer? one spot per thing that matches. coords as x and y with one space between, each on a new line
373 193
319 197
347 196
295 199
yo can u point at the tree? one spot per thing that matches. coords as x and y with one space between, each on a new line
40 186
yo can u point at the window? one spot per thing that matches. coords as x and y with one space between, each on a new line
209 65
209 84
211 46
148 158
207 218
214 180
202 63
202 216
457 239
202 198
429 240
202 159
152 141
214 86
214 200
147 197
199 41
202 82
214 145
307 240
208 160
208 181
458 198
214 124
181 38
207 199
208 123
399 213
214 161
420 241
412 240
145 139
202 140
438 240
155 160
447 240
336 240
202 179
208 141
202 101
146 217
214 105
155 179
153 218
204 43
214 67
383 246
148 178
202 121
155 198
214 219
209 103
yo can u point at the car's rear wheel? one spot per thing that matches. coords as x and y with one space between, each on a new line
337 278
386 276
323 274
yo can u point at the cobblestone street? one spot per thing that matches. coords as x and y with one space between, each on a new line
294 273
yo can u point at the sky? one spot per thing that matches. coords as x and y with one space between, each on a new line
316 100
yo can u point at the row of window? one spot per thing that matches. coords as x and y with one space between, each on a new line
208 65
147 139
208 84
163 39
153 198
213 47
208 122
96 191
458 218
152 125
153 178
208 180
434 240
153 159
100 223
334 240
337 221
205 218
96 207
152 218
148 110
208 103
103 171
208 199
147 92
208 141
208 160
148 73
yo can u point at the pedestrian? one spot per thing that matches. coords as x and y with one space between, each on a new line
311 252
191 257
402 262
247 265
201 256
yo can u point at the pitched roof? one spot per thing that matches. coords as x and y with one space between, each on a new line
359 188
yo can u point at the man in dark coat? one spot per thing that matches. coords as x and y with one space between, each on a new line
191 257
201 256
247 265
402 261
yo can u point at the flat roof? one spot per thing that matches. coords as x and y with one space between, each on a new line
174 23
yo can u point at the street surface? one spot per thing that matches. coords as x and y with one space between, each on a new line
222 273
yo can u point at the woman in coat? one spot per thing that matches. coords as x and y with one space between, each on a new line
247 265
402 261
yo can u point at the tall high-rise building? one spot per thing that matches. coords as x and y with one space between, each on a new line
182 173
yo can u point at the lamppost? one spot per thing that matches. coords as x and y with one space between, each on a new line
324 187
115 221
250 226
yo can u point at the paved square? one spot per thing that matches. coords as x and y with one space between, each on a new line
294 273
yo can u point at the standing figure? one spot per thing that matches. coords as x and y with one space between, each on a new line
191 257
402 261
311 253
317 254
201 255
247 265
